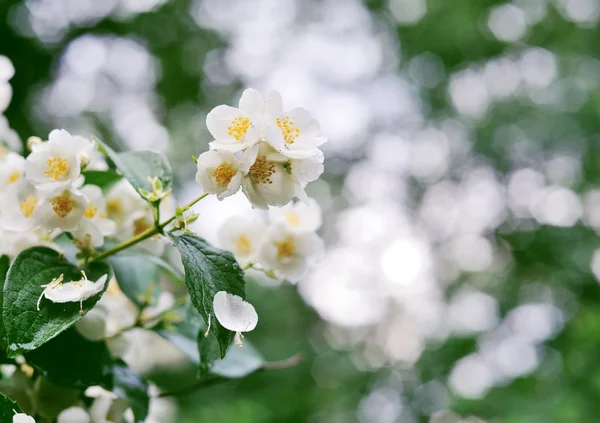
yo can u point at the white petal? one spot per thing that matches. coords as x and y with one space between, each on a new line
74 415
22 418
234 313
7 70
252 104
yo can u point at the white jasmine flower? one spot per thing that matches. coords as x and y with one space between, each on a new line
57 164
14 242
300 216
22 418
269 182
12 169
8 138
61 211
93 324
220 172
295 134
59 292
94 224
243 237
17 208
73 415
103 400
122 201
289 252
307 170
165 302
138 223
235 314
7 71
236 129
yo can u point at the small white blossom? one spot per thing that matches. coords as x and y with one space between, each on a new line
12 169
17 208
73 415
236 129
243 237
295 134
288 252
7 71
221 172
165 302
94 224
57 164
14 242
300 216
22 418
63 210
59 292
8 138
269 182
235 314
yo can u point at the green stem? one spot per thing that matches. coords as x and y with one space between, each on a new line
143 236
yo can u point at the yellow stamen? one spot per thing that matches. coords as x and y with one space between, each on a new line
62 206
13 177
244 245
114 207
288 130
90 211
28 206
292 218
262 170
223 174
238 128
57 168
286 248
141 225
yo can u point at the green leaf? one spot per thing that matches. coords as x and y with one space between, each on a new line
138 166
105 179
8 408
136 274
209 270
128 384
26 327
73 361
208 349
4 266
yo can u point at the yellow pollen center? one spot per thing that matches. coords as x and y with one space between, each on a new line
57 168
288 130
90 211
292 218
286 248
28 206
262 170
244 244
13 177
141 225
114 207
238 128
62 206
223 174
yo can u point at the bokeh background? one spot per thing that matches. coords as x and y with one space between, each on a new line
461 190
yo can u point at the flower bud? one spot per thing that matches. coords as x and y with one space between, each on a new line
31 141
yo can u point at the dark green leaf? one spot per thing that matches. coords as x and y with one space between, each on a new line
136 274
208 349
209 270
26 327
128 384
73 361
8 408
105 179
138 166
4 265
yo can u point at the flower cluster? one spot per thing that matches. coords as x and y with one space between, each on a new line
285 248
269 153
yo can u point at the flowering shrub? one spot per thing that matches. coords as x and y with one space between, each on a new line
83 230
